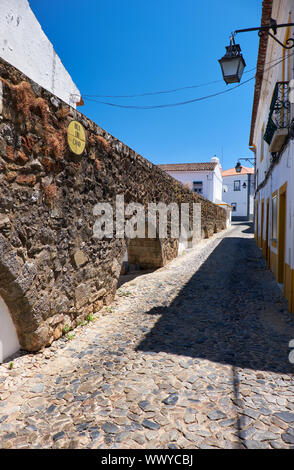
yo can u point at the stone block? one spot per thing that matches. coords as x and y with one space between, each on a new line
80 258
82 294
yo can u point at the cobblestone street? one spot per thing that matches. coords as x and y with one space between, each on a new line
194 355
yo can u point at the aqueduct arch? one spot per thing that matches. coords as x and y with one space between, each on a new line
8 336
53 271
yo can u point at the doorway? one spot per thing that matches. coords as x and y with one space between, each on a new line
282 233
256 223
261 224
267 257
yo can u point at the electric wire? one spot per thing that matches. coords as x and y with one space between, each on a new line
173 90
194 100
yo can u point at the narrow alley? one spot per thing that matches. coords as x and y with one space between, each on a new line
193 355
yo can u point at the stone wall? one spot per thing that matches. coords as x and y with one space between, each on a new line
53 272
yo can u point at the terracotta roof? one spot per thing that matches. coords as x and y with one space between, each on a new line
265 20
188 166
232 172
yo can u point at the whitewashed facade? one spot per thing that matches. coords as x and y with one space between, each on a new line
238 191
272 141
24 45
203 178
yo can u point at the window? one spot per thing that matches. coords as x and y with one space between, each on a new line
197 187
274 217
237 185
234 206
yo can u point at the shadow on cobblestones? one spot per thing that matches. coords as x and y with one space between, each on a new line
231 311
249 228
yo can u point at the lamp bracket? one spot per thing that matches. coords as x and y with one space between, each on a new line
266 29
290 40
250 160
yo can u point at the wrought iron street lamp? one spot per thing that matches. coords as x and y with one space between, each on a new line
233 63
239 167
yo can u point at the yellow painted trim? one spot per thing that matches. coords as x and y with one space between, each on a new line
265 231
274 263
292 290
286 37
256 221
283 188
282 228
261 223
287 284
285 73
273 242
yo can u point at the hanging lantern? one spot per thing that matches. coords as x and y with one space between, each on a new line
232 63
238 167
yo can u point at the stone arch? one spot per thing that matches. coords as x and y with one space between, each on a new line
9 342
185 240
145 252
205 233
18 296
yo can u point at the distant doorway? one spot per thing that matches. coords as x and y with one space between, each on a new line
261 224
282 233
267 252
256 223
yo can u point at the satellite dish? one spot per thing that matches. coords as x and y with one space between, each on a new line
225 188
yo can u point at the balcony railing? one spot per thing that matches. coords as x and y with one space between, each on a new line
279 115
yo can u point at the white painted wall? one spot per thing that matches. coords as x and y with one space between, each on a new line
211 180
8 338
187 177
283 172
217 182
24 45
239 197
228 210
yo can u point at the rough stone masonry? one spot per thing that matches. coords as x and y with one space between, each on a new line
53 273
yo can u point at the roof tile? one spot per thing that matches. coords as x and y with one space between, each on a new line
188 166
232 172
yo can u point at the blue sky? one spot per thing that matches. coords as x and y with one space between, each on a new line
117 47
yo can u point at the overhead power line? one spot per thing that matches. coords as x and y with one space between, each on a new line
180 103
173 90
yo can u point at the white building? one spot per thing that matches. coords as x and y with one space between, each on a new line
24 45
271 139
203 178
238 192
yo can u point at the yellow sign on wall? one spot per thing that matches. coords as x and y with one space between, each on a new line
76 137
